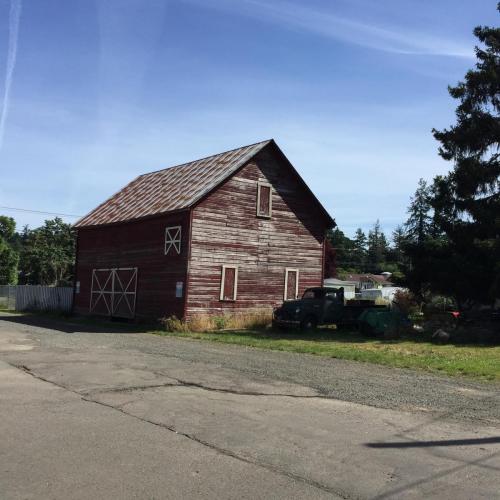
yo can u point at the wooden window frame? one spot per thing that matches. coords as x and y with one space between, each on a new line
259 186
174 242
287 270
223 279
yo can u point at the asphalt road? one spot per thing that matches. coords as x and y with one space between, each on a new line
126 415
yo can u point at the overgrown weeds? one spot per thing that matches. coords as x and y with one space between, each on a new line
210 323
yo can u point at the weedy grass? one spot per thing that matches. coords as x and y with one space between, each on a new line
207 323
474 361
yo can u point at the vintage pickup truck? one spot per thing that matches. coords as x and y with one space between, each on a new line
321 306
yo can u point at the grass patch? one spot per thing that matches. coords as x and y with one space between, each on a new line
475 361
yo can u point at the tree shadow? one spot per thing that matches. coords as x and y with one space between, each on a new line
319 335
74 324
354 336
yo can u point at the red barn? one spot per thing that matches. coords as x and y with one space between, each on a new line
235 232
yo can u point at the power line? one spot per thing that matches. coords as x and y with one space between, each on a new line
38 212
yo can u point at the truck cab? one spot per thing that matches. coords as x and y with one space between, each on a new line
321 305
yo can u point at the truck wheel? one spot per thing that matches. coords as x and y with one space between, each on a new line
278 326
308 324
366 329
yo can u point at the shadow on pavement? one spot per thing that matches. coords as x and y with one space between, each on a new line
424 444
74 324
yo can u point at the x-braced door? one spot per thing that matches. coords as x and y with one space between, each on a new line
113 292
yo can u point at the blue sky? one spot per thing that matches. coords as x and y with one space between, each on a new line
94 93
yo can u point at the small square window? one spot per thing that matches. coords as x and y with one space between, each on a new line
264 200
229 283
173 240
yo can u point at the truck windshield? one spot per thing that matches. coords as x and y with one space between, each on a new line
313 294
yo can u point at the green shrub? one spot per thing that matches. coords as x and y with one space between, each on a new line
220 322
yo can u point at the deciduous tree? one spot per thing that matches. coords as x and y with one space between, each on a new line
9 258
48 254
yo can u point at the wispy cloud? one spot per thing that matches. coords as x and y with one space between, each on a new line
14 18
328 24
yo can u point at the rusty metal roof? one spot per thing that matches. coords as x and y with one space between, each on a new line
171 189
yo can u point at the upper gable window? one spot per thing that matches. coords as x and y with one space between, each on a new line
173 240
264 200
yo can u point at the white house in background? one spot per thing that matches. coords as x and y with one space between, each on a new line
367 280
386 293
349 286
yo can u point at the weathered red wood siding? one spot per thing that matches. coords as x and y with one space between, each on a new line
226 230
136 244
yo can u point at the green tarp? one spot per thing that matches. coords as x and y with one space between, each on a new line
380 321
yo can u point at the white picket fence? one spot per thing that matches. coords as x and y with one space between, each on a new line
37 298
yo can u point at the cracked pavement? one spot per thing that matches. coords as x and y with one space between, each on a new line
130 415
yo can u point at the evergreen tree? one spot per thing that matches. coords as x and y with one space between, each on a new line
395 260
457 252
419 223
359 250
467 200
399 239
377 248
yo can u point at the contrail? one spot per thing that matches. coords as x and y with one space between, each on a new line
14 17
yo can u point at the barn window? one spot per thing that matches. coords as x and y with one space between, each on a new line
173 240
229 283
264 199
291 284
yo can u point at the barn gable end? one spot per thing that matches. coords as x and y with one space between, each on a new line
266 250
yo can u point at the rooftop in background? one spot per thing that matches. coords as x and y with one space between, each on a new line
338 282
376 278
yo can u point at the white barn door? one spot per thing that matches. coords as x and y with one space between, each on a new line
113 292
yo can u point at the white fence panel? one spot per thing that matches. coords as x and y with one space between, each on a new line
44 298
7 297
